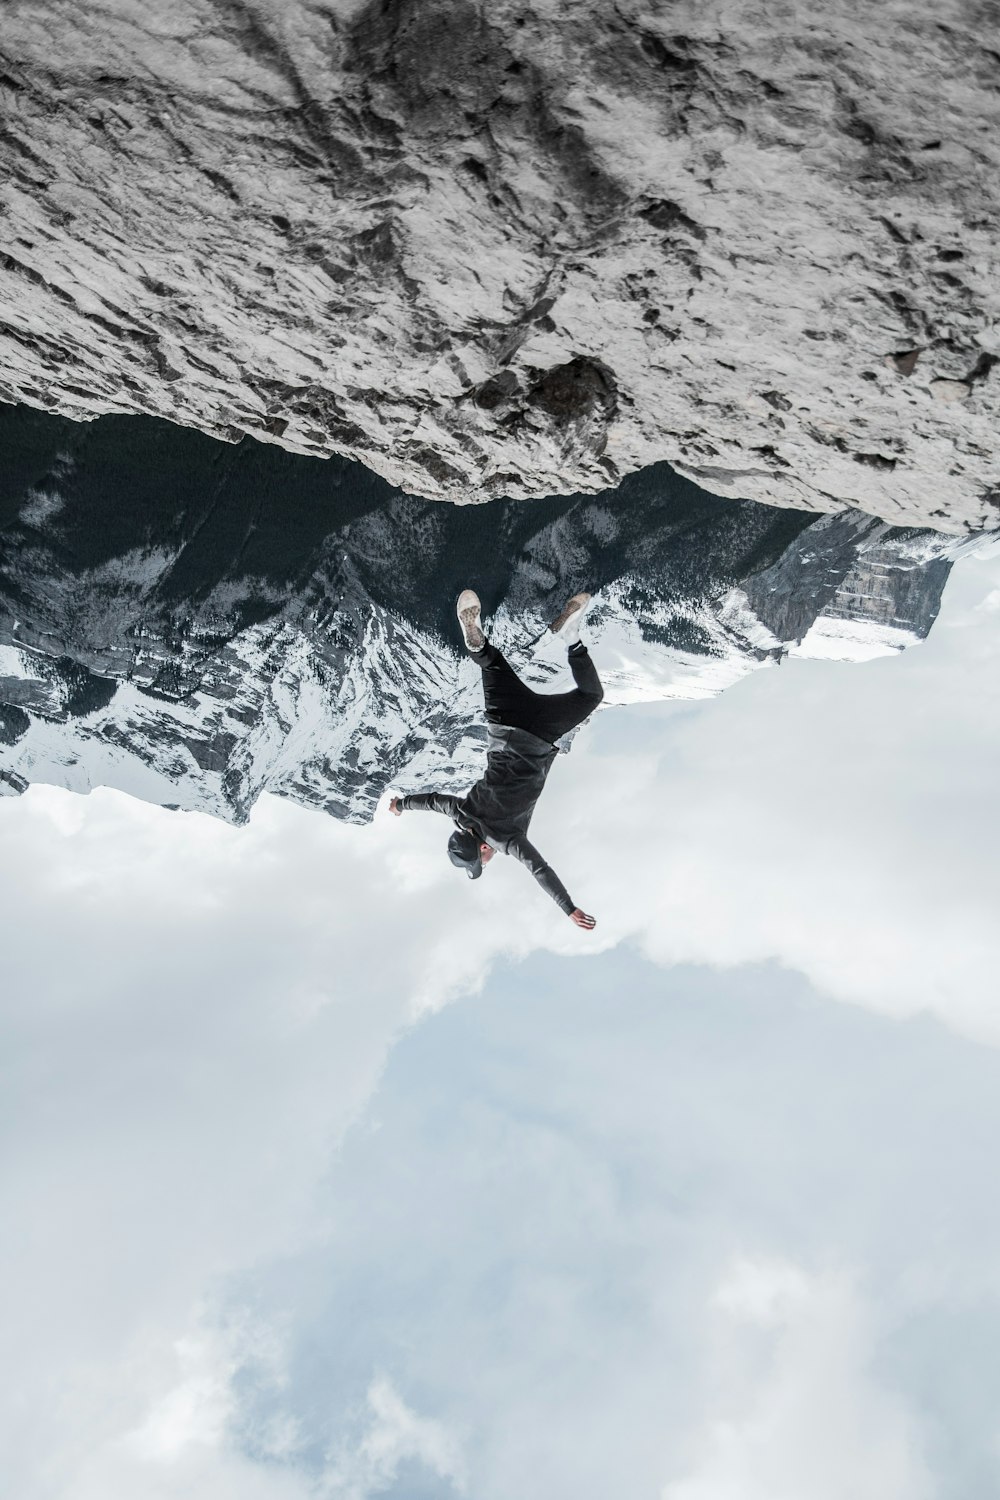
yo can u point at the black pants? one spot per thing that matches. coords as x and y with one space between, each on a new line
549 715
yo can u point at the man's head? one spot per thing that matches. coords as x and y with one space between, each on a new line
467 853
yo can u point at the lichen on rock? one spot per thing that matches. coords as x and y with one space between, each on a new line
520 249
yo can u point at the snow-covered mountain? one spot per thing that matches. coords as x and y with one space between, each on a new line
196 623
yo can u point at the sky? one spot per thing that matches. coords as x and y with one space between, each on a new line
328 1173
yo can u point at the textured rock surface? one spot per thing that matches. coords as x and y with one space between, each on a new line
197 623
522 248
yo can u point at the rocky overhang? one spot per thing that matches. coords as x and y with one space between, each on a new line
521 249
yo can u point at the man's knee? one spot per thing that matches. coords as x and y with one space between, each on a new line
590 685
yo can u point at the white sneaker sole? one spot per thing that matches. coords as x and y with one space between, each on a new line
573 609
469 610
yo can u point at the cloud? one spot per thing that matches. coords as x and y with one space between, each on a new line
842 820
193 1016
638 1235
152 1421
393 1434
796 1409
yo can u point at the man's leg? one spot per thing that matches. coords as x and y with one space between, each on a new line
555 714
585 674
508 700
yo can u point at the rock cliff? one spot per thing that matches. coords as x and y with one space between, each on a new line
522 248
196 623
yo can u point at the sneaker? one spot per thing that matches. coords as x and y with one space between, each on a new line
567 625
468 610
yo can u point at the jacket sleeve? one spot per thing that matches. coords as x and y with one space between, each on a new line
543 873
439 802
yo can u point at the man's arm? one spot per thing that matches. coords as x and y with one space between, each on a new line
439 802
548 880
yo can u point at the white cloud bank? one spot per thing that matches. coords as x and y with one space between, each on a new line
193 1014
394 1434
798 1411
693 1232
842 820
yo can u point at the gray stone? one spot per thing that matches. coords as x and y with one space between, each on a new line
521 248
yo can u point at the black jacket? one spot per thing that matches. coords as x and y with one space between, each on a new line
498 808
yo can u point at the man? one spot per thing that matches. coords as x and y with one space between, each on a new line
523 727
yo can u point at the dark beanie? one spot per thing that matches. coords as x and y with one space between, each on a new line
463 851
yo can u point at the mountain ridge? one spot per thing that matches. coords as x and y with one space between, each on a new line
198 623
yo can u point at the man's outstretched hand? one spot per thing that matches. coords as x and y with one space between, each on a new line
394 807
582 920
